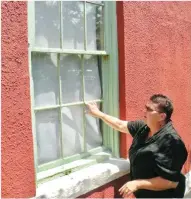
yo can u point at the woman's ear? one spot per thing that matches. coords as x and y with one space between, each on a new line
163 116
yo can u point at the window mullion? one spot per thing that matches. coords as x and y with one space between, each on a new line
61 26
85 27
83 97
60 108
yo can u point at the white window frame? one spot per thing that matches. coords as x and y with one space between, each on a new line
110 97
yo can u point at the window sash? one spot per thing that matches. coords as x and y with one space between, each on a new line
110 82
62 49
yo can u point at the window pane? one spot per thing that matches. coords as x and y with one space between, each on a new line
47 24
72 120
73 25
45 79
95 34
71 78
92 75
47 129
93 133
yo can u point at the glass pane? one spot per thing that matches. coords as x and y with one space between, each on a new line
47 131
71 78
95 32
45 79
47 24
92 75
72 120
73 25
93 132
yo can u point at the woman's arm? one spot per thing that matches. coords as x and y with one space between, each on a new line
113 122
154 184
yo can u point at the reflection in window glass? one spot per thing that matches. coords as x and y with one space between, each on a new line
71 78
47 130
47 24
95 35
45 79
72 120
92 75
73 25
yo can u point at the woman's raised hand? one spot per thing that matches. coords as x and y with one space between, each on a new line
93 109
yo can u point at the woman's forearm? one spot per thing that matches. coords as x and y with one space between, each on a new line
114 122
156 184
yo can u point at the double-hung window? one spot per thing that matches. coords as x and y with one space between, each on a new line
73 60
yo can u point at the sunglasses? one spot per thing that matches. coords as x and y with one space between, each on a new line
149 109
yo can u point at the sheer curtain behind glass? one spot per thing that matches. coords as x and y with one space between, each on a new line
71 78
45 79
47 131
72 122
95 36
73 24
47 24
63 79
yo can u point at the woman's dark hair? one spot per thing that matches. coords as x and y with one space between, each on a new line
164 105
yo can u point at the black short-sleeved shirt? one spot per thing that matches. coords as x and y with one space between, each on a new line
162 155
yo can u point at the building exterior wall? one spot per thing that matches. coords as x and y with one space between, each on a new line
110 190
18 179
154 57
154 41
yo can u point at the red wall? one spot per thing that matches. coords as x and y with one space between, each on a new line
110 190
17 148
155 57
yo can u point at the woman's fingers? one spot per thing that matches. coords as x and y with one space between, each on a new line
122 188
125 191
91 108
126 195
91 105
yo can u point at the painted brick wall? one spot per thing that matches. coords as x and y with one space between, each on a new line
18 179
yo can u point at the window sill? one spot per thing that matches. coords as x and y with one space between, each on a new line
188 185
71 167
84 180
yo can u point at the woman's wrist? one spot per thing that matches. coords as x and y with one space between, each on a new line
100 115
139 184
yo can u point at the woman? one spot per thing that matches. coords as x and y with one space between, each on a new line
157 153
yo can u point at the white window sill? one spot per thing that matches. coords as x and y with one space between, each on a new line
84 180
